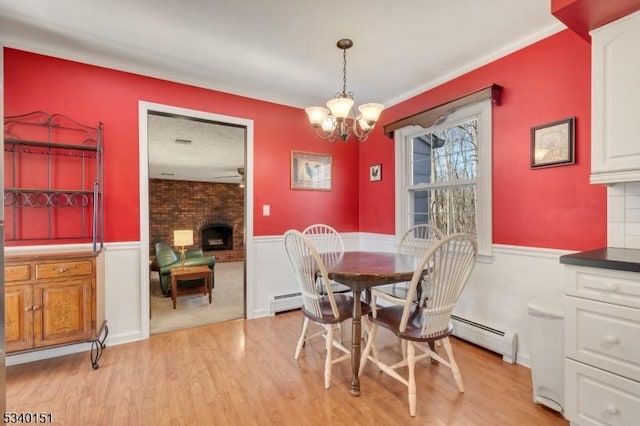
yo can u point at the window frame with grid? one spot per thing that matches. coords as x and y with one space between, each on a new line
405 188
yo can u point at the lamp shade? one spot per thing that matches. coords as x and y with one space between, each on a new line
316 115
183 238
340 107
370 112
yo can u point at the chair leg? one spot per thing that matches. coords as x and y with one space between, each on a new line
327 361
411 363
454 366
367 335
303 336
370 344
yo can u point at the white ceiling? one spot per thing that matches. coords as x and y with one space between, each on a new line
282 50
186 149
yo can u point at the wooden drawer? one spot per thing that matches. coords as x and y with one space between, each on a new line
605 285
595 397
20 272
63 269
603 335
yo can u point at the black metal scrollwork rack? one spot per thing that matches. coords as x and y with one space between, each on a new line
53 137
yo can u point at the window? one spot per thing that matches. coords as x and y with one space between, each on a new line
444 174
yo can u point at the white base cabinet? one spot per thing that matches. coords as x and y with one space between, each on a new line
602 346
596 397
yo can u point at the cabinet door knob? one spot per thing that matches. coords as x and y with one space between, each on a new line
611 339
612 409
36 307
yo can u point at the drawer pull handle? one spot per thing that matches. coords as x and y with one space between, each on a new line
63 270
612 340
611 287
612 409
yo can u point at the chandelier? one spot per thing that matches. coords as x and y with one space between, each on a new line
339 120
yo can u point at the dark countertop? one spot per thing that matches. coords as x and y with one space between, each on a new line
620 259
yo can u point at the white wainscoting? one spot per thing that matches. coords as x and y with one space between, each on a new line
496 294
122 280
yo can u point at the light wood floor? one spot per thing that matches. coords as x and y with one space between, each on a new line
243 373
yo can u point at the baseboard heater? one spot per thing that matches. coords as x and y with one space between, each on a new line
503 342
284 302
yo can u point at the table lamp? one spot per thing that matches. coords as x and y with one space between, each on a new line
182 238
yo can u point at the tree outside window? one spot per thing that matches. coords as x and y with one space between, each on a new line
444 177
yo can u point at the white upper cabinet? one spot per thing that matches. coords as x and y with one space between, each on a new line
615 110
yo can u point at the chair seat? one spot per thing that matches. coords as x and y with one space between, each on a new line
345 308
390 318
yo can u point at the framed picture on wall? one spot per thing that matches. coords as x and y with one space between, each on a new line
310 171
375 173
553 144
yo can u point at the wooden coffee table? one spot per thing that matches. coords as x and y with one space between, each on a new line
191 273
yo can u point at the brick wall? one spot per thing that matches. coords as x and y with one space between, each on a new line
175 204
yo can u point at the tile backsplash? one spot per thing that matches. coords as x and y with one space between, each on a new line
623 215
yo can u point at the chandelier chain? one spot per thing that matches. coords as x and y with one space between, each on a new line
344 72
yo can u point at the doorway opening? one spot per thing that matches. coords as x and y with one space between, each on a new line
186 185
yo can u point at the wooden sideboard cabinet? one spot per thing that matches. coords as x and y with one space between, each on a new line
54 299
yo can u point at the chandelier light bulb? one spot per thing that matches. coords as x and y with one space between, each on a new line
363 124
328 125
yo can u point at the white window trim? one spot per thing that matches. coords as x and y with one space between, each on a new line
402 137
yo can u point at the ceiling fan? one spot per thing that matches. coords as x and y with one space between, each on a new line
240 174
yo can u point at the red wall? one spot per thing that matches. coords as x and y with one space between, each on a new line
549 80
553 207
90 94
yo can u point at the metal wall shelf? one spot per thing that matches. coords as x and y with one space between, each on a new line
57 138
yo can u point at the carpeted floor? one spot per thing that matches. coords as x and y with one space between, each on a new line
193 310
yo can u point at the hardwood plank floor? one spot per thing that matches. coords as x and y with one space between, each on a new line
243 373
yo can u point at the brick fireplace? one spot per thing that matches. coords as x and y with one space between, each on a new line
214 211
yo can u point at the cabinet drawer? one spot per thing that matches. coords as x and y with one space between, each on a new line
63 269
21 272
619 287
595 397
603 335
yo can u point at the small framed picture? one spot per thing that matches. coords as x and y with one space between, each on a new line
375 173
310 171
553 144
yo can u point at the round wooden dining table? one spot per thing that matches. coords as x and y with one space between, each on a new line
361 270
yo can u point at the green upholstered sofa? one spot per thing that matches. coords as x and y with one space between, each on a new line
167 258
